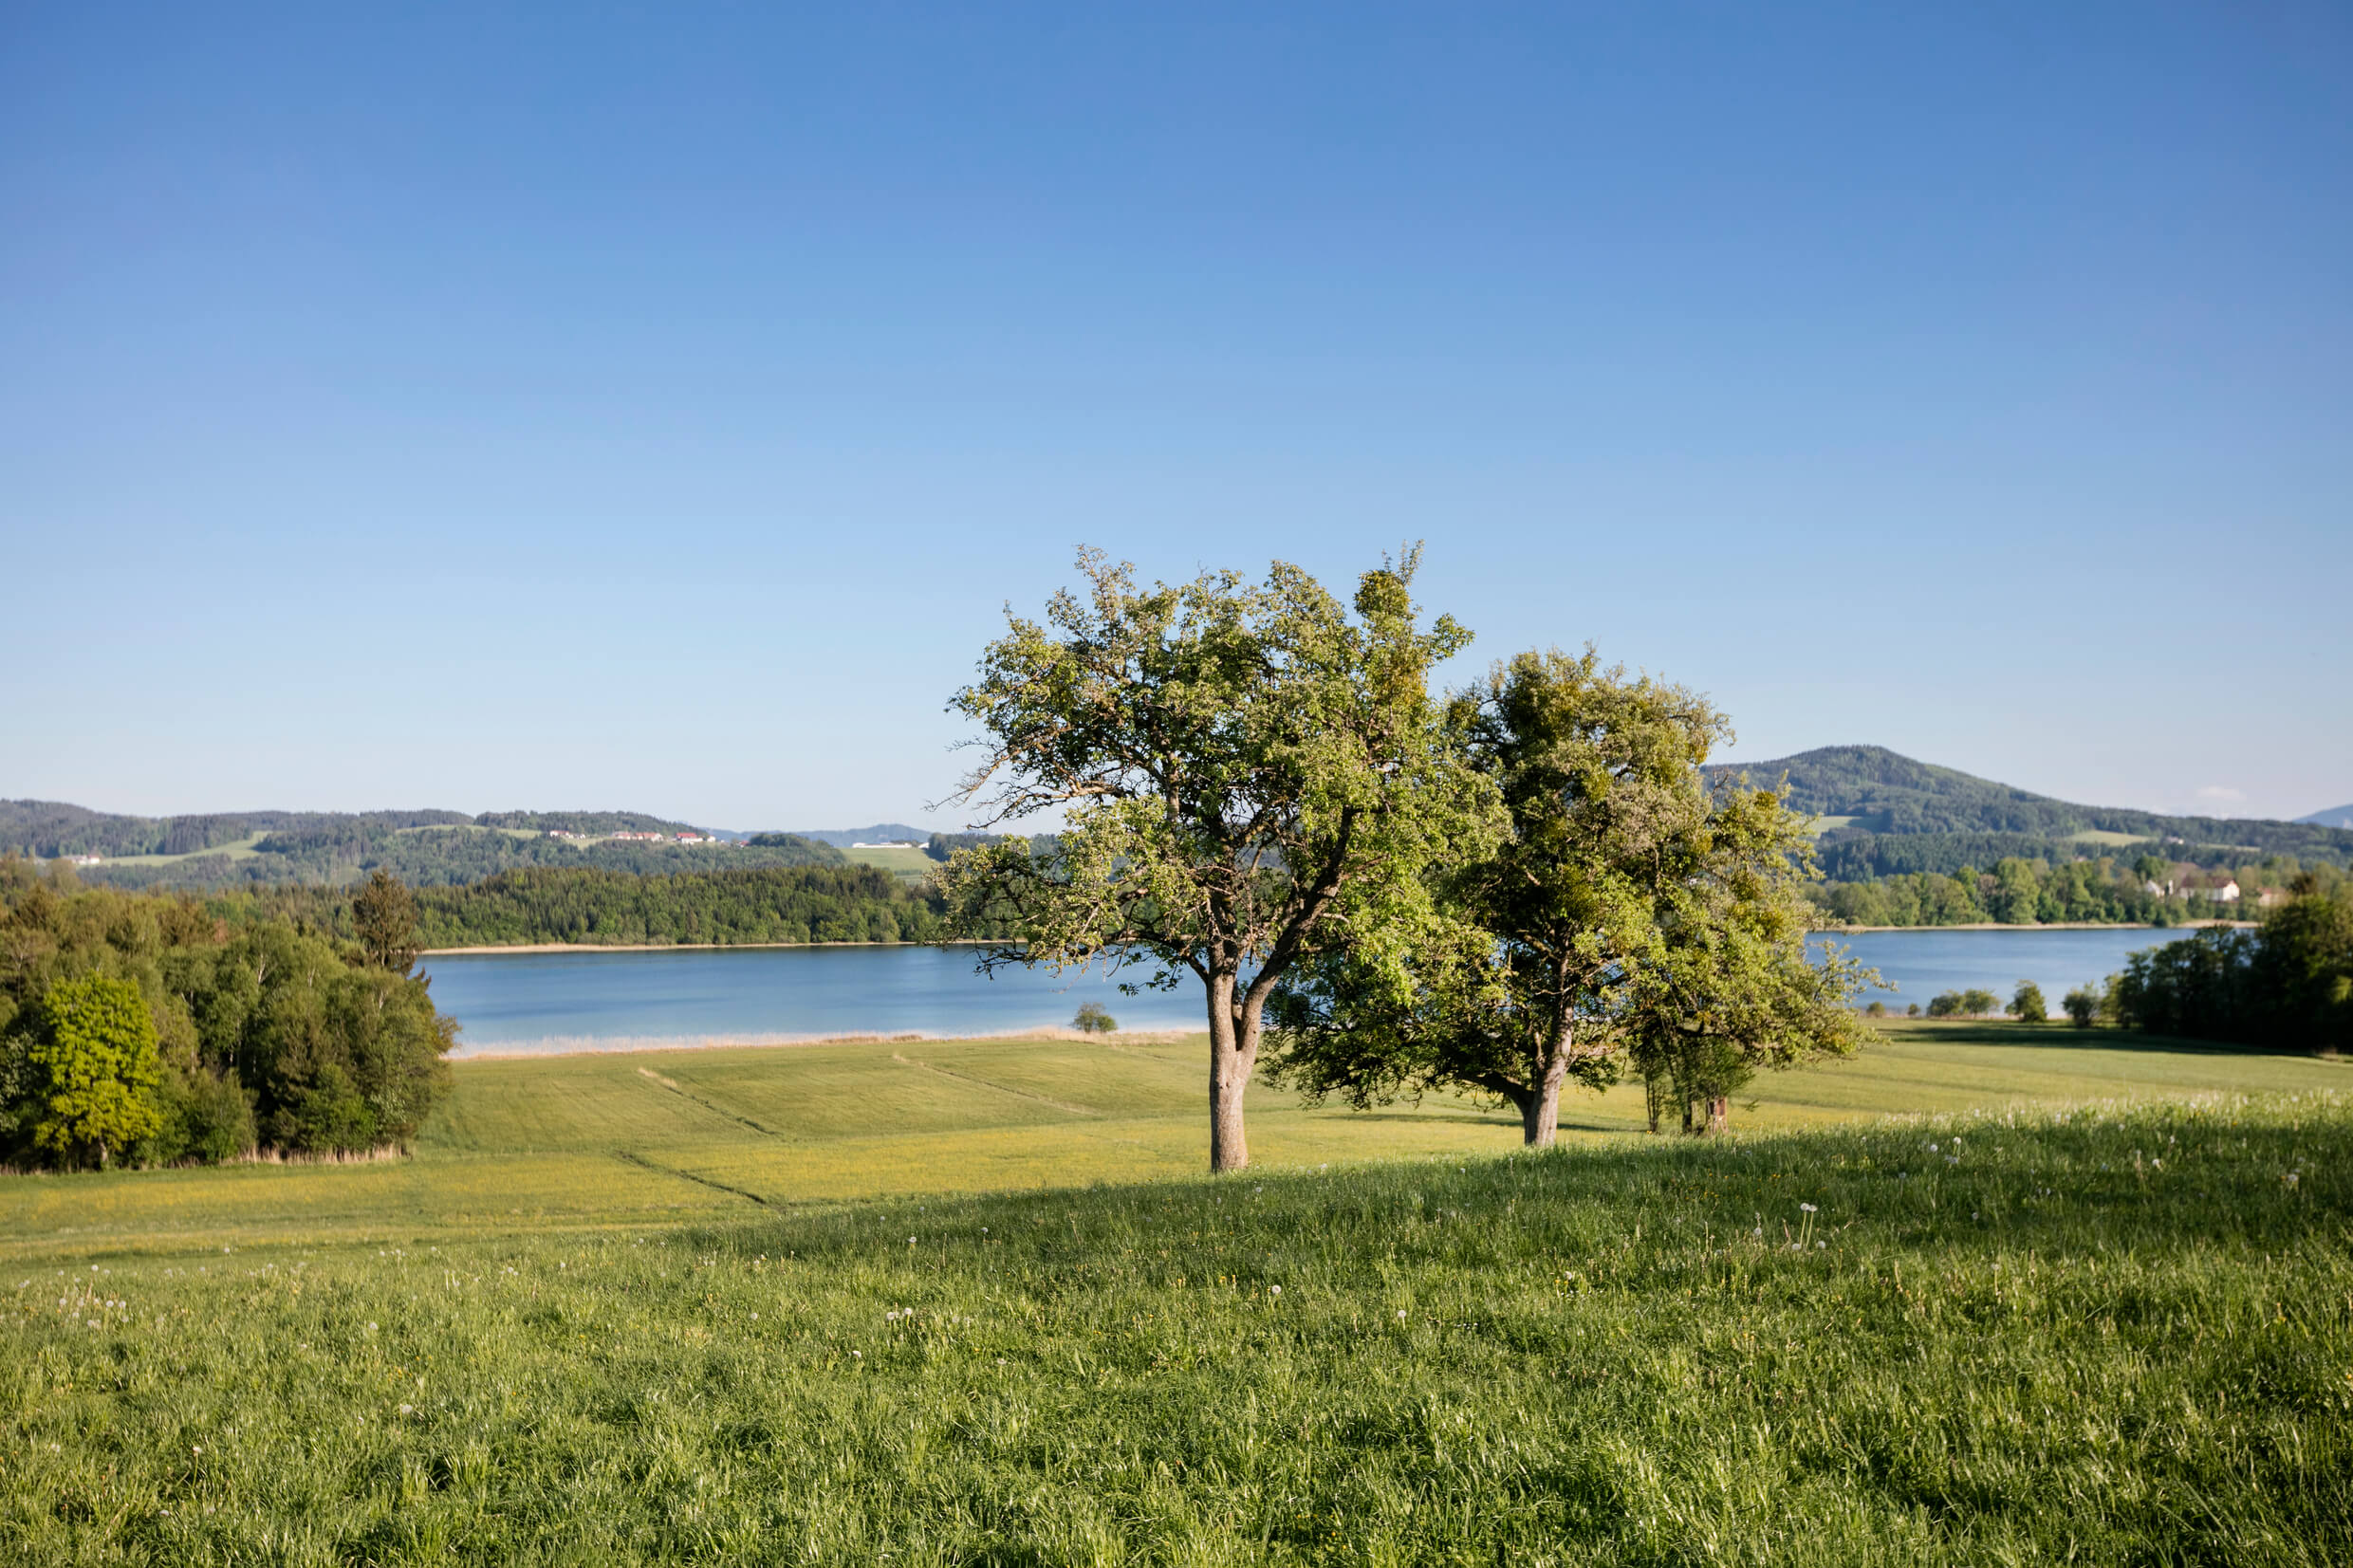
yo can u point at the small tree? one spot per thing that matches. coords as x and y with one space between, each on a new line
92 1070
1248 775
2083 1006
1094 1020
385 913
2027 1005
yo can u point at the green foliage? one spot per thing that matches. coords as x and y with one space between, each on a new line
207 1118
1973 1003
2083 1006
256 1032
834 903
84 1072
2027 1005
1613 1355
943 846
1246 773
2287 984
1629 909
1093 1019
385 914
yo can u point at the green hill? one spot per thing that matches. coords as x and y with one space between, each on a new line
425 848
1868 795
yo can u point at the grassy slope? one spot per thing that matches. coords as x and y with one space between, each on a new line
239 849
2030 1344
595 1142
906 863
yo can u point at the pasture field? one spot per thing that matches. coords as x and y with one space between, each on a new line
912 863
236 849
749 1306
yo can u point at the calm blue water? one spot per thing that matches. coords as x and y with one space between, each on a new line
588 1001
610 1001
1922 962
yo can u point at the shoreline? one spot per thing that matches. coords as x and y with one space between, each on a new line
2056 925
556 1045
725 947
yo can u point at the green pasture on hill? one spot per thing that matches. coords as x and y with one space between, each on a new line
583 1142
906 863
2095 1305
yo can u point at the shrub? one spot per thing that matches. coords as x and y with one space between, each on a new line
1968 1003
2083 1006
2027 1005
1093 1019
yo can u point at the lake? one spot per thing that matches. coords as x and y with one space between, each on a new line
618 1001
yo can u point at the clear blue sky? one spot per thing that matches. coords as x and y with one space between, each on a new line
655 406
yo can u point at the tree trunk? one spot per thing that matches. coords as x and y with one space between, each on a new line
1540 1119
1687 1128
1719 1112
1233 1057
1653 1099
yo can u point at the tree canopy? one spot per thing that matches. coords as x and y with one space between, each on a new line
1629 904
1247 774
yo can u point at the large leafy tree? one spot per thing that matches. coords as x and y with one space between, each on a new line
1732 987
1626 890
90 1070
1247 774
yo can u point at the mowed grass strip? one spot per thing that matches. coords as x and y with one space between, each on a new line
2120 1335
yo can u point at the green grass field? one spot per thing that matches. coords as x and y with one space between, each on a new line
911 863
240 849
971 1302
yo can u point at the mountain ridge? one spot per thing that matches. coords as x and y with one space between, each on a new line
1870 796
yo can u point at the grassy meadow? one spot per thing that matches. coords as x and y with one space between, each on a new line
906 863
971 1302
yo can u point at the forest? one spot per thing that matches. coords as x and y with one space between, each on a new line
594 906
139 1029
2016 891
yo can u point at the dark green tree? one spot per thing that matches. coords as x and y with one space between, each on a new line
2027 1005
385 913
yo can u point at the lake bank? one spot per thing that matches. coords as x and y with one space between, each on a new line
727 946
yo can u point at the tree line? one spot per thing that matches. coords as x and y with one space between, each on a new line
340 851
2287 984
142 1029
1385 889
781 904
2148 890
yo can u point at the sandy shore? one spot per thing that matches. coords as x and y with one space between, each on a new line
620 1045
723 946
